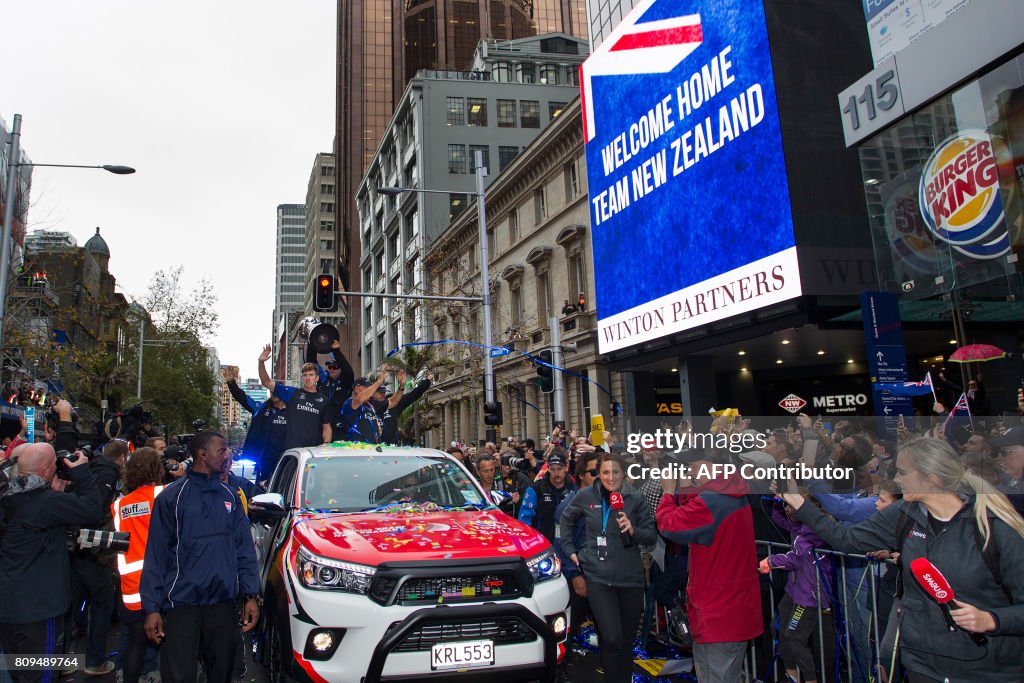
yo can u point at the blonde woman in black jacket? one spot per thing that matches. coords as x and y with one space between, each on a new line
610 560
973 536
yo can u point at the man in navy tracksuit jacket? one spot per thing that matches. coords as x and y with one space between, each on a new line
200 560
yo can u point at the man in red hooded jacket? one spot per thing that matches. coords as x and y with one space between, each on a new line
713 517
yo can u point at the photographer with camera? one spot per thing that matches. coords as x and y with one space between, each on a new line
37 514
200 559
91 568
513 481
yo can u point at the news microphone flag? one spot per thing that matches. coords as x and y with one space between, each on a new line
619 506
921 388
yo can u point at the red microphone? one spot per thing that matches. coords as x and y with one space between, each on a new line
619 505
936 586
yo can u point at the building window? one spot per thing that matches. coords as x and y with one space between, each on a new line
378 260
393 285
485 150
572 181
577 277
326 188
529 114
525 73
549 74
572 76
367 316
516 302
456 111
540 208
393 246
456 158
382 344
327 207
492 244
456 204
409 227
513 227
477 112
543 298
554 109
501 72
506 155
584 389
506 113
327 226
327 170
326 245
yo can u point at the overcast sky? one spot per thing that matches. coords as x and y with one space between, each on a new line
221 105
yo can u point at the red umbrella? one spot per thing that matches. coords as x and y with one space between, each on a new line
977 353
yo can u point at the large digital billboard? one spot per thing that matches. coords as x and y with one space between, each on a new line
689 201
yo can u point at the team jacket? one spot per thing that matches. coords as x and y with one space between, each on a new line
132 513
199 551
716 521
539 505
264 442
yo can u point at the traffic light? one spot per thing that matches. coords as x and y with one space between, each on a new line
324 300
545 375
492 413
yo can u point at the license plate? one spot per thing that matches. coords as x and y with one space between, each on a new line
462 655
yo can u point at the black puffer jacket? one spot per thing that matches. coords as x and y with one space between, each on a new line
926 646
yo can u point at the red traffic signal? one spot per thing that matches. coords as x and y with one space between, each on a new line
324 298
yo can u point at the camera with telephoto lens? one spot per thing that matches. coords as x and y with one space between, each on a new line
97 540
168 467
516 463
63 458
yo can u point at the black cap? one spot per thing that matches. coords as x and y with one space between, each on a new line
556 458
1014 436
331 365
363 382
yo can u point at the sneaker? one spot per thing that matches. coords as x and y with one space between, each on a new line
101 670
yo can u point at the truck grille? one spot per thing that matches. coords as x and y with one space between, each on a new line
502 630
456 589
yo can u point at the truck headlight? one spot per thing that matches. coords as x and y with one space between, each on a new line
545 566
321 573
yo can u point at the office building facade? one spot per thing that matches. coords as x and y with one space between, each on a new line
381 46
442 120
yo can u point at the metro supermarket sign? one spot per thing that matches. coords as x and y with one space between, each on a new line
689 197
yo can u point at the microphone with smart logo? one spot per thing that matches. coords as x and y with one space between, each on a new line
615 498
935 585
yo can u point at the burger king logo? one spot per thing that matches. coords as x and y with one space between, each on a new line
958 196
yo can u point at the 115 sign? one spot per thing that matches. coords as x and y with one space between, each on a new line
871 103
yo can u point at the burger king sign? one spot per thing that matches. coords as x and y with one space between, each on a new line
958 196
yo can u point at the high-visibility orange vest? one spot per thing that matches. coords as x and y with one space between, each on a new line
132 514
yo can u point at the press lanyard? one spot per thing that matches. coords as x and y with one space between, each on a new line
606 511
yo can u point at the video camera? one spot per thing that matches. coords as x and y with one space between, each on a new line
168 467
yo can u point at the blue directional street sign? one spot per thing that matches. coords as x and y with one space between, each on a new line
30 421
500 351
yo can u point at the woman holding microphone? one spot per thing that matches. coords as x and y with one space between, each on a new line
951 527
618 521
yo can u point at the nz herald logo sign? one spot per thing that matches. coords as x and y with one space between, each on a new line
958 196
685 170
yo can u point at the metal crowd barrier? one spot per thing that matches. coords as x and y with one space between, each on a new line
836 590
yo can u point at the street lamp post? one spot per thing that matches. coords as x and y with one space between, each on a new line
485 277
13 164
